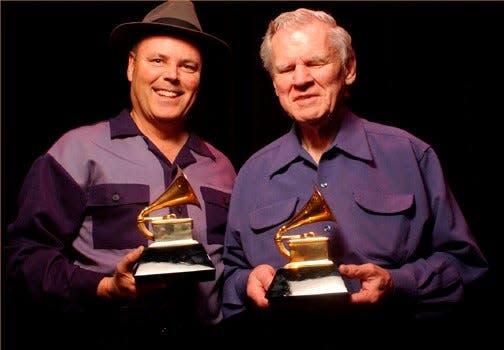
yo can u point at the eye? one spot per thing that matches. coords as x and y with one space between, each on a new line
285 69
189 67
317 64
157 61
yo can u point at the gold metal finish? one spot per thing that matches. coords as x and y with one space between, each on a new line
178 192
306 249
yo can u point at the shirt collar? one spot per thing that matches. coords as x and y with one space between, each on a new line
123 126
351 139
197 145
289 150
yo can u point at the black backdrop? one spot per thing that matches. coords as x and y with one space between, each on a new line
432 68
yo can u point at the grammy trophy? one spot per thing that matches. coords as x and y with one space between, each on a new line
173 253
310 272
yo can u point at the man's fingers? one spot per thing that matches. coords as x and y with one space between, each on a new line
129 261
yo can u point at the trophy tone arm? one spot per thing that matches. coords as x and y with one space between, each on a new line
141 218
280 237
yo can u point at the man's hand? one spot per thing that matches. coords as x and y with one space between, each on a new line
258 283
122 284
376 282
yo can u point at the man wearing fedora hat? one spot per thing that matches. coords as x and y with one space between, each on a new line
73 247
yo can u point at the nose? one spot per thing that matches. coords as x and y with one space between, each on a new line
302 75
170 72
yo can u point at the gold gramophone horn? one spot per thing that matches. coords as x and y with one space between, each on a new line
316 209
178 192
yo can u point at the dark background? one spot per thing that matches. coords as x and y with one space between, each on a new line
432 68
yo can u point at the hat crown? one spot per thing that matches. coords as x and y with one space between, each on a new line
176 12
172 17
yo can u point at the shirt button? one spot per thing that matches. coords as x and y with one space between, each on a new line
323 184
327 228
116 197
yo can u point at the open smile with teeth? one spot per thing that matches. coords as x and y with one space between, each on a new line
167 93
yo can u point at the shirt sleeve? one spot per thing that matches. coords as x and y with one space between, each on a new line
236 271
38 243
452 259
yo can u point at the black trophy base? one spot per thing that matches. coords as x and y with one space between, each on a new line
174 262
298 286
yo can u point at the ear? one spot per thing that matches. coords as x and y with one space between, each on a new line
274 87
131 65
351 72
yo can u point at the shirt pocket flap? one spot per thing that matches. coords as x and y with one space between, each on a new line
117 194
216 197
383 203
272 215
216 209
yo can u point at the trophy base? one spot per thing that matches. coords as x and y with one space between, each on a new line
174 261
305 283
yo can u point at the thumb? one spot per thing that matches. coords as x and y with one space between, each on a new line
347 270
129 261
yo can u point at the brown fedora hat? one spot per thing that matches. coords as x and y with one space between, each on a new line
173 17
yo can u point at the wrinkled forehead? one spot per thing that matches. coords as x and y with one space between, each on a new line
301 41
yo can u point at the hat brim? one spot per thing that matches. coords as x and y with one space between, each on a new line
125 35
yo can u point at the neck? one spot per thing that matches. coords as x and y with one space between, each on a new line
316 139
169 137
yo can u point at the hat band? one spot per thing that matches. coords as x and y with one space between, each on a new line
177 22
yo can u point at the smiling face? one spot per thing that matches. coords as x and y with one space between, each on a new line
308 75
165 76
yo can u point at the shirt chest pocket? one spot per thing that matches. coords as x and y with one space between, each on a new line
264 222
273 215
114 209
216 209
383 224
383 203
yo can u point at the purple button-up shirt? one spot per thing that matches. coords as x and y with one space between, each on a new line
392 205
79 203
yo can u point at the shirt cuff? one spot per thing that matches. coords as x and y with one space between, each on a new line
404 283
